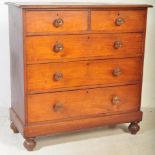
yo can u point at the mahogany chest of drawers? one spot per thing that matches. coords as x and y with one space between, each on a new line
75 66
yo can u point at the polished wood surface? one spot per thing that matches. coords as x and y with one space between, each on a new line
17 61
75 66
106 21
82 73
42 21
48 128
74 5
41 48
81 103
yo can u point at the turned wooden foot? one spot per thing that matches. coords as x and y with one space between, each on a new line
134 128
14 128
29 144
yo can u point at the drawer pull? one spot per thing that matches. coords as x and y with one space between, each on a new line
116 100
57 107
58 22
57 76
58 47
117 44
117 72
119 21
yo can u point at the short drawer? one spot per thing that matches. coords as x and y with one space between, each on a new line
55 21
119 21
83 103
59 47
43 77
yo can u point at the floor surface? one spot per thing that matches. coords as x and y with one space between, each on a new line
114 140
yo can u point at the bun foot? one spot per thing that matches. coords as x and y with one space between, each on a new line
14 128
29 144
133 128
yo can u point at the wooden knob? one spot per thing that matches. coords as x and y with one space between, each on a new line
116 100
117 72
58 22
57 107
117 44
58 47
119 21
57 76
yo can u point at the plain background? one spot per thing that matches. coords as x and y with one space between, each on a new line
148 95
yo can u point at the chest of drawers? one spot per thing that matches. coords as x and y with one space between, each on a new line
75 66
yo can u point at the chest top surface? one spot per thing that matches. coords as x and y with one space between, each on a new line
51 5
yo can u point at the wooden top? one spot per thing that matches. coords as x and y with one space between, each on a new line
52 5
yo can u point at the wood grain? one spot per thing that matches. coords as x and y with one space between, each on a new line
41 48
89 83
48 128
81 103
81 73
42 21
105 21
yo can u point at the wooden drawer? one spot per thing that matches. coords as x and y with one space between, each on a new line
59 47
56 21
118 21
42 77
82 103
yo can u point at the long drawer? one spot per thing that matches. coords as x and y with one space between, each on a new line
43 77
59 47
80 103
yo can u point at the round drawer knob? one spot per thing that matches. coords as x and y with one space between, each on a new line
58 22
57 76
117 72
58 47
119 21
57 107
116 100
117 44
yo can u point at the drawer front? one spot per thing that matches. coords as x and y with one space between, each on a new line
82 103
42 77
46 48
56 21
118 21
